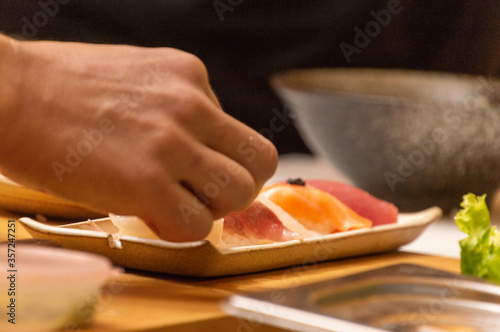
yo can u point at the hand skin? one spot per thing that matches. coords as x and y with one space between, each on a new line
127 130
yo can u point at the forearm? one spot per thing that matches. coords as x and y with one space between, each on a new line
164 134
6 57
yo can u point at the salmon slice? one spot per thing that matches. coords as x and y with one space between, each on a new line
314 208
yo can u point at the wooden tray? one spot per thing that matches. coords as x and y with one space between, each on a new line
202 259
17 198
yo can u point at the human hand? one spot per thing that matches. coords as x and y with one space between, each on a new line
127 130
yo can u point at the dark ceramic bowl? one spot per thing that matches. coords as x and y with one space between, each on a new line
417 139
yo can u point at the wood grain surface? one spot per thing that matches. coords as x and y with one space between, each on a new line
140 301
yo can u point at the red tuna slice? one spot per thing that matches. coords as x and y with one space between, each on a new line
261 223
380 212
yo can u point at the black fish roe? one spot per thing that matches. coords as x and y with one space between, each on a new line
297 181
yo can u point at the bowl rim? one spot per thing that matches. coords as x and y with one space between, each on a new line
293 80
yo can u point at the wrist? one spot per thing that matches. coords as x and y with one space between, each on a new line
10 78
4 48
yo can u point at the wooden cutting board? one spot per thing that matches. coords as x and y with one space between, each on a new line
145 301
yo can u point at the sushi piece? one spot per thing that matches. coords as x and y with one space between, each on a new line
380 212
263 222
315 209
288 211
134 226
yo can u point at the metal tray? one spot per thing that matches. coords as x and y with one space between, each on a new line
403 298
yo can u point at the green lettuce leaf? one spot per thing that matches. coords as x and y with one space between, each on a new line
480 250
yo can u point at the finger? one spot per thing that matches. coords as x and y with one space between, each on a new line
178 215
219 182
209 124
243 145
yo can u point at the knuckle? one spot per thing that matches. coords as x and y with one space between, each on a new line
187 104
192 67
164 142
166 135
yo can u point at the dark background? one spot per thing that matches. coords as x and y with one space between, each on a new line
254 39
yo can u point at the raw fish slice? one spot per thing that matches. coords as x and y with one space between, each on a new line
287 220
314 208
259 224
132 226
378 211
215 234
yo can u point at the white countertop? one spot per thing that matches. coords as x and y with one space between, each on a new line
440 238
